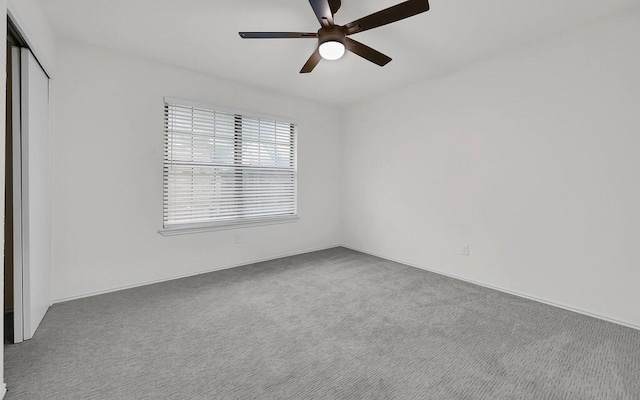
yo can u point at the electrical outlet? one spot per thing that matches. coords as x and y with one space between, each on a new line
465 250
238 239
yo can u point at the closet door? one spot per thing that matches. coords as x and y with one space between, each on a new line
35 168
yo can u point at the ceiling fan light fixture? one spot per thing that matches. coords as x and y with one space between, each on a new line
334 40
332 50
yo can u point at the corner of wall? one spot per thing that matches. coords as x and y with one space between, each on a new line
343 118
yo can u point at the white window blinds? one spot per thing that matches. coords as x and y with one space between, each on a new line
226 168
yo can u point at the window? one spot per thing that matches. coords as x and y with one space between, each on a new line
225 168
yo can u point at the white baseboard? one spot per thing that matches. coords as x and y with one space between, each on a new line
117 289
526 296
3 390
500 289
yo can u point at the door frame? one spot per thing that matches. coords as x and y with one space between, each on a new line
18 296
20 52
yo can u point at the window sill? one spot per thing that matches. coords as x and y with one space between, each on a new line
201 228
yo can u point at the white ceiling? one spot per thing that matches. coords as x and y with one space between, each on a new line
202 35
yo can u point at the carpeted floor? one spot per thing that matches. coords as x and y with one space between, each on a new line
334 324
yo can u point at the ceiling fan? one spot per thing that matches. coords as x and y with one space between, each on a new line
333 39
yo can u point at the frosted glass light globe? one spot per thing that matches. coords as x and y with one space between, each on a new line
331 50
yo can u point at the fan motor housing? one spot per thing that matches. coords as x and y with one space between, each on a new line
332 33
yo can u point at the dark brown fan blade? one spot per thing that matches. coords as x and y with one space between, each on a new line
366 52
388 15
311 62
334 5
277 35
323 11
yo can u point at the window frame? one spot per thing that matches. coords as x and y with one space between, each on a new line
197 227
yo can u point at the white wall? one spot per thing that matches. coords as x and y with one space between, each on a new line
532 158
107 158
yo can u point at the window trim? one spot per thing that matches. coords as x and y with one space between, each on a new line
199 227
212 227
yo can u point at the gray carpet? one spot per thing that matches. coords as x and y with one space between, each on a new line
334 324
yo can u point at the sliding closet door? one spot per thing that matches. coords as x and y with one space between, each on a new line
36 192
